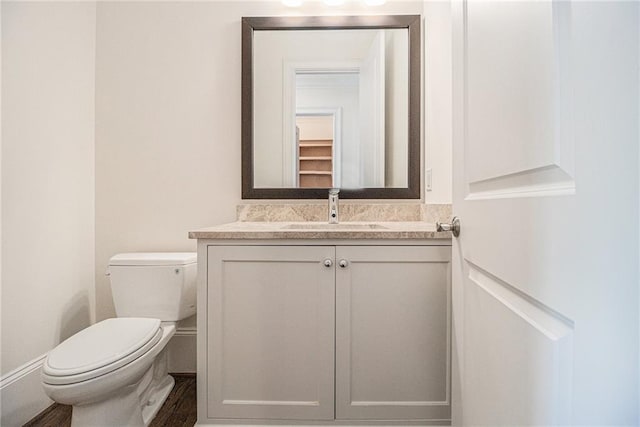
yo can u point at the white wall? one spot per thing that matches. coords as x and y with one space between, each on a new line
168 135
48 241
437 106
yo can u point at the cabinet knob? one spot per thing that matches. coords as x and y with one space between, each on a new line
328 263
343 263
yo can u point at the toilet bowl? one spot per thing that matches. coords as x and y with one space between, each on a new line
115 372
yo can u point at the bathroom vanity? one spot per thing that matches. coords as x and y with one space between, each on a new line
308 322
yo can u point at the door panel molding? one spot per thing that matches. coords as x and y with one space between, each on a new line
539 182
542 317
531 150
525 349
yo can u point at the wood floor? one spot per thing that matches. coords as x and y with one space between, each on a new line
179 410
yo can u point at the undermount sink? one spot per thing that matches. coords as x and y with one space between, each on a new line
327 226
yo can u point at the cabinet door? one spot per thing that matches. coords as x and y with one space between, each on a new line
392 332
270 337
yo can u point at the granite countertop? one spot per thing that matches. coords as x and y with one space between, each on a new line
321 230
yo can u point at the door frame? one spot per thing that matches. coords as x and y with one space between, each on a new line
289 111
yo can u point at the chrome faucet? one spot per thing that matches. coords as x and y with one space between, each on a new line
333 205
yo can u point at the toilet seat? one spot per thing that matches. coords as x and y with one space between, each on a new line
100 349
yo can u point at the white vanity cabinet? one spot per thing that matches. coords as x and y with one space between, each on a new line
270 332
392 324
324 332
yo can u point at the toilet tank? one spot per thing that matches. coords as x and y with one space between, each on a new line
161 285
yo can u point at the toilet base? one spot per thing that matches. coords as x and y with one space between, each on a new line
156 392
135 405
122 409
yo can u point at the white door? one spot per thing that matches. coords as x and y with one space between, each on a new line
372 114
545 271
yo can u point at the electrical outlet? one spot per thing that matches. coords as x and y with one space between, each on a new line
428 179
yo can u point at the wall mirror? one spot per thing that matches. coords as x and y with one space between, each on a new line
331 101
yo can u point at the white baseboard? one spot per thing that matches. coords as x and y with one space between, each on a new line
182 351
22 395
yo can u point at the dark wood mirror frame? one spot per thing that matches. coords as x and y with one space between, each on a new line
411 23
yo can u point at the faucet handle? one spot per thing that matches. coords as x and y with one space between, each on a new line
333 205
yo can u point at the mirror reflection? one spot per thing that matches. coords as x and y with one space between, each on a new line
331 108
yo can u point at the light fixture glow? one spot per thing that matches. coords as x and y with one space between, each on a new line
292 3
333 2
374 2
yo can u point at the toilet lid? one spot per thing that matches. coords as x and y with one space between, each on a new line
101 348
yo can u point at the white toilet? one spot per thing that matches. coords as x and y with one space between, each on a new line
114 373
